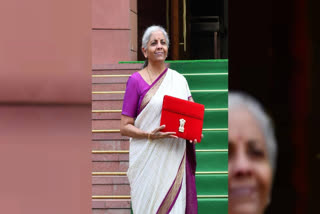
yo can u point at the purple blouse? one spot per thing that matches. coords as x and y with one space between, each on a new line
136 88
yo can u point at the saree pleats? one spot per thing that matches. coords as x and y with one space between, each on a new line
156 171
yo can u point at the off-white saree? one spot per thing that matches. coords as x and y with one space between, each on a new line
157 168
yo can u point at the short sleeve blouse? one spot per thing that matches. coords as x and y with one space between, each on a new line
136 85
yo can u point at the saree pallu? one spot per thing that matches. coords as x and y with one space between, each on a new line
157 168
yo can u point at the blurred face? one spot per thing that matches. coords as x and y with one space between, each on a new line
157 47
250 174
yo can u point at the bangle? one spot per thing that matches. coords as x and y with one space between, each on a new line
149 136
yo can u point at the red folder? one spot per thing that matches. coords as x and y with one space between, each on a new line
183 117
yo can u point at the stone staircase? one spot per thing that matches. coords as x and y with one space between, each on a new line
110 185
208 81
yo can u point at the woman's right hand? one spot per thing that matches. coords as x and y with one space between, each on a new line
157 133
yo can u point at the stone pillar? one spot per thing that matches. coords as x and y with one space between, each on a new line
114 31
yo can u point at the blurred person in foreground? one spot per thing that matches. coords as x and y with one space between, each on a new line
252 155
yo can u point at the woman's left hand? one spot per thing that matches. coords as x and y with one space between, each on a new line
195 140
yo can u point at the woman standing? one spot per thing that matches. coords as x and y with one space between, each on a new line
161 166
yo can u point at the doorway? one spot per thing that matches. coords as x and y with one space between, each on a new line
197 28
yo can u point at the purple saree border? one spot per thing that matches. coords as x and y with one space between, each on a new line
146 91
191 191
173 202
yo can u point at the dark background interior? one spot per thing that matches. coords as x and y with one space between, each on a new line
273 49
274 56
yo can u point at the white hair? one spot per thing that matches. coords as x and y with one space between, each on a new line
240 99
149 31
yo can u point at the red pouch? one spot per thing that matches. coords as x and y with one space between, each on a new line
183 117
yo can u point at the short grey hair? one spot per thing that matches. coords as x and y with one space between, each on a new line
241 99
149 31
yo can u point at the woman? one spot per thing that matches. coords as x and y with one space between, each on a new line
161 166
252 155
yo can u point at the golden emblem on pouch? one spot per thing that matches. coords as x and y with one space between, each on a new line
181 127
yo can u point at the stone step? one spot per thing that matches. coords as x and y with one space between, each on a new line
105 124
111 206
108 136
108 105
110 145
110 67
109 87
114 72
106 116
113 189
97 180
111 211
110 157
108 80
110 185
96 74
110 166
108 96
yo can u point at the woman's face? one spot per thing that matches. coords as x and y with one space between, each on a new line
250 174
157 47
